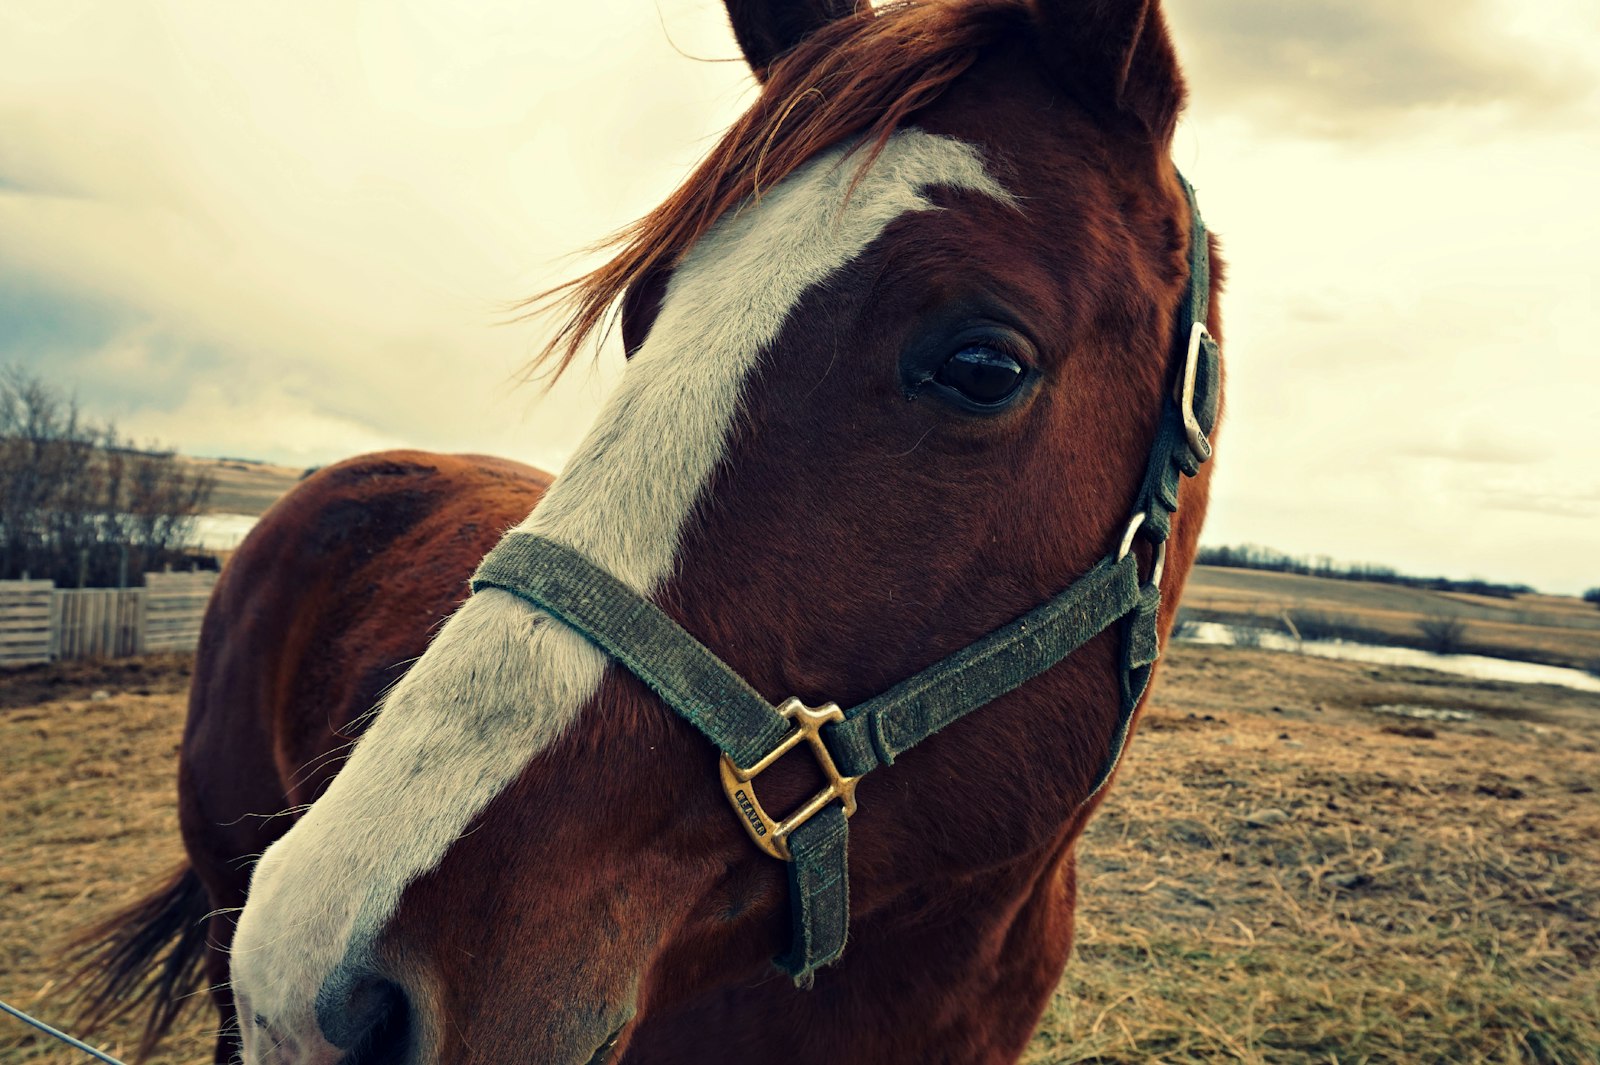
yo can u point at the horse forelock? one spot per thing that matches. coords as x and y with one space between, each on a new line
855 79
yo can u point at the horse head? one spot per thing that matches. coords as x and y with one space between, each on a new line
897 353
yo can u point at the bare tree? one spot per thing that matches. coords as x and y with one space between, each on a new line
78 503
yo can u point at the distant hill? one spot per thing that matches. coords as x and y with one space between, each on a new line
245 486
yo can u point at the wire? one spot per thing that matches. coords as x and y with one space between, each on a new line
63 1036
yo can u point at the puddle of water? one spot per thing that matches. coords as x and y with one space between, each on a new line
1424 713
1480 667
222 532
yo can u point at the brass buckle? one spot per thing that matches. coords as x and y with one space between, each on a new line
1198 444
739 784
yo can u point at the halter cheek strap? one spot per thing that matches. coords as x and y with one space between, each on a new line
753 734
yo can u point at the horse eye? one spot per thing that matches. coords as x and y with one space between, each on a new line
982 375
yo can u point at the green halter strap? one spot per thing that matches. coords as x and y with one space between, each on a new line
751 732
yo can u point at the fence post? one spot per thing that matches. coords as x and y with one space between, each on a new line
26 622
55 625
141 622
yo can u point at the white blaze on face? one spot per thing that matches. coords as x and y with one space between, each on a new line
501 681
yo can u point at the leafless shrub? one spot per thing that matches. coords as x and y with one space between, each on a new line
1247 633
1442 632
79 504
1325 625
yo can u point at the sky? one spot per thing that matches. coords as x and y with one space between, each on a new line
292 231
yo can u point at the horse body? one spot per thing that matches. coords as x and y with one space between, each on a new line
527 858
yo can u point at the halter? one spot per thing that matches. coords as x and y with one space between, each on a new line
752 734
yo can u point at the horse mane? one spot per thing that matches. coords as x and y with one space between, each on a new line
861 75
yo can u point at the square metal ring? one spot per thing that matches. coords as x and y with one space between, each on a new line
738 783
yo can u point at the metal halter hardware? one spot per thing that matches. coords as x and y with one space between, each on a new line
1198 444
1136 523
752 734
739 784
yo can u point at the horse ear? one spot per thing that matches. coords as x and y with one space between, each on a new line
768 28
1117 57
641 303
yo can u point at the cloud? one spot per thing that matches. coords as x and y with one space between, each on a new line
288 231
161 381
38 324
327 208
1358 68
1477 450
1545 504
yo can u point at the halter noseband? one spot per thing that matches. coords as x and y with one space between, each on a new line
752 734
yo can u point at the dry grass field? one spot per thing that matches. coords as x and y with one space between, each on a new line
244 487
1557 630
1282 874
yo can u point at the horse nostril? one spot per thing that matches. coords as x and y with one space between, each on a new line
367 1017
387 1036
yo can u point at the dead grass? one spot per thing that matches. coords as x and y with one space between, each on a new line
244 487
87 800
1281 875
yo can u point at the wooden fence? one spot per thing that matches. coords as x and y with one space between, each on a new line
27 622
41 623
97 622
174 603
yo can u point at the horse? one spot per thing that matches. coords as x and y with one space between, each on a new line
897 352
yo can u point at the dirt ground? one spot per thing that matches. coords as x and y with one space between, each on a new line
1284 872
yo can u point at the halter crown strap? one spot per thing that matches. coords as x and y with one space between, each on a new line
1175 450
751 732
